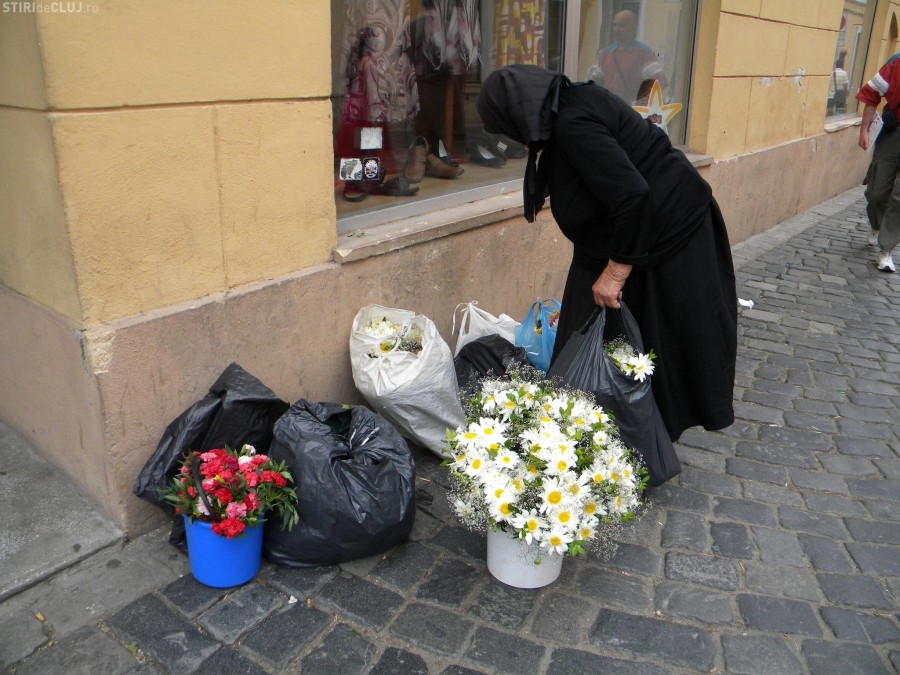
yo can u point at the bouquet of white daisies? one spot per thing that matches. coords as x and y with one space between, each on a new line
541 462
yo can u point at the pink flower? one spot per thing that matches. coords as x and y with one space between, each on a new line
236 510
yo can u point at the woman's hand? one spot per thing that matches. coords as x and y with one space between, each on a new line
608 287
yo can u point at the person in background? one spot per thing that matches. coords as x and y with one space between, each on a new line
882 184
645 228
838 88
624 64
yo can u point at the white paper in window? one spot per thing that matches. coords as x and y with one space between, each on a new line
370 138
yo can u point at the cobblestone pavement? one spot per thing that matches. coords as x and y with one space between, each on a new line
777 550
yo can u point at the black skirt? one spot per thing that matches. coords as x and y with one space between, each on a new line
686 308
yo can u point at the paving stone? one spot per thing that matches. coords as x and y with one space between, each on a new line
889 467
752 412
632 558
399 662
239 611
819 480
706 440
459 670
784 581
461 541
853 591
772 494
507 653
302 582
671 496
744 511
705 570
753 654
229 660
424 527
865 429
881 509
22 632
876 531
686 530
85 652
449 582
644 529
776 454
659 640
191 597
823 502
548 622
405 566
283 636
862 414
691 602
798 439
848 624
577 662
778 546
359 600
849 466
823 408
872 559
767 473
740 429
162 634
863 446
701 459
811 523
362 567
880 489
828 658
825 554
343 651
615 588
766 398
432 628
778 615
731 540
503 605
712 482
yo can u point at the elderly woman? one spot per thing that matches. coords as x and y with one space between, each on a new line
645 230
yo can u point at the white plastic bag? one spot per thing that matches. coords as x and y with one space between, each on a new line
416 392
475 323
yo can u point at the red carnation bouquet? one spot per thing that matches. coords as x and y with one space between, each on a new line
232 489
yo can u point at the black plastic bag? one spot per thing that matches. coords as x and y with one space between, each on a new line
355 480
488 356
238 409
584 364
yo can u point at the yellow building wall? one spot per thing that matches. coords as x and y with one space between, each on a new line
770 73
189 144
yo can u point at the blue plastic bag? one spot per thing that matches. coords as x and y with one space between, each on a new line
537 333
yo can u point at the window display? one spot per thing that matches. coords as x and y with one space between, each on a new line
407 74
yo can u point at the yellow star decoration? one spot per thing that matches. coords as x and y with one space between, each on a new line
658 112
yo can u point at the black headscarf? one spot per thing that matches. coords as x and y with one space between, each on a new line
520 102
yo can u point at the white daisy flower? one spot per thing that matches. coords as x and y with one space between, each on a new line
557 541
531 523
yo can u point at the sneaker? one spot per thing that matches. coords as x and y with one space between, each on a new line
885 263
872 239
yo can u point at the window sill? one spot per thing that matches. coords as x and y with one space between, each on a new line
837 123
402 232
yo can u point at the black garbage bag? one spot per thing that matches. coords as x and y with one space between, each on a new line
355 481
238 409
488 356
584 364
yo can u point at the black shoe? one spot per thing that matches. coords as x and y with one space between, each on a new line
480 154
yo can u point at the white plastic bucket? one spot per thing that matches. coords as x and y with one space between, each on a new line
518 564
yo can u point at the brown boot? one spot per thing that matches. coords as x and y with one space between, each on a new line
415 160
435 168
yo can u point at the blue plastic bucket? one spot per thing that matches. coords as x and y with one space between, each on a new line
221 562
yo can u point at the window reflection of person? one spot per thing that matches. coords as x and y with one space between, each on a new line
626 62
365 104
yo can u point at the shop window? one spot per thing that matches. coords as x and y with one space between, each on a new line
407 74
849 57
